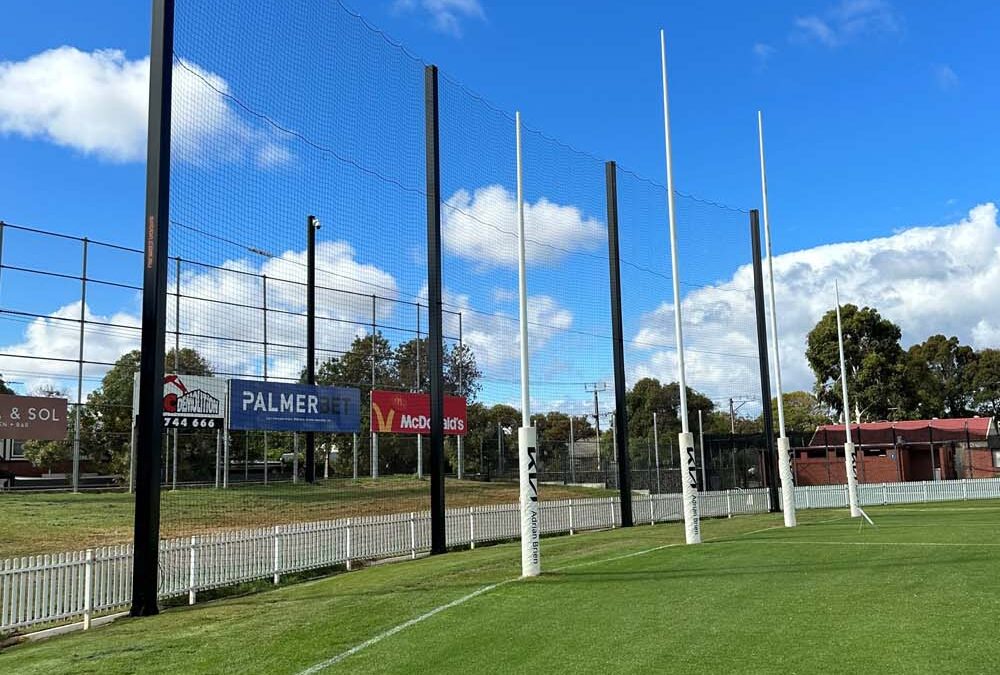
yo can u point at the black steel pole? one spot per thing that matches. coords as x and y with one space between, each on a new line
149 429
618 348
435 349
311 226
771 459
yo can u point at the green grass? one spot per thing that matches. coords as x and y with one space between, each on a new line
51 522
918 594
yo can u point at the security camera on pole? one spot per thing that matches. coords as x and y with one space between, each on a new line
784 453
689 473
849 459
531 565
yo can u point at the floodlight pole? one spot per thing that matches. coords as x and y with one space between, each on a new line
784 453
849 459
689 480
531 564
146 538
312 224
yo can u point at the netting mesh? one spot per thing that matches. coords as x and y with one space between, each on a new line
286 110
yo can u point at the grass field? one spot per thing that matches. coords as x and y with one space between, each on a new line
40 522
918 594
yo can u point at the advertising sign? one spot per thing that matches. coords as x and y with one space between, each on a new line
32 418
189 401
274 406
397 412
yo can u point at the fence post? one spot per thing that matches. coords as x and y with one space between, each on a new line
348 544
277 554
88 589
192 572
729 503
571 517
413 535
652 517
808 492
611 504
472 527
885 494
965 494
925 492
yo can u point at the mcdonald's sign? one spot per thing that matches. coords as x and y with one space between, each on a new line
396 412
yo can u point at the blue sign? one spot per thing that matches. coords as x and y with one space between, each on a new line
273 406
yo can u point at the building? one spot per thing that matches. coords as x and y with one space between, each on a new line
892 452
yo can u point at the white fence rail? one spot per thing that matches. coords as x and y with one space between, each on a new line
44 589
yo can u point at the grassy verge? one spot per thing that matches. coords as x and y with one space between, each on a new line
36 523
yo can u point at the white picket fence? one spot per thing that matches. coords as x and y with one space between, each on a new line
44 589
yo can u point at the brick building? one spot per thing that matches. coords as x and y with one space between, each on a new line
892 452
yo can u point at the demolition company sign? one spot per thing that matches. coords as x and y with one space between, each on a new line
32 418
189 401
402 413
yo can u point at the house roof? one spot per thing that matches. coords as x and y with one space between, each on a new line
908 431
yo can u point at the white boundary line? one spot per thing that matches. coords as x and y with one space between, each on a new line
864 543
401 627
455 603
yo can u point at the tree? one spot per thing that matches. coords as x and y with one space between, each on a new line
803 412
939 378
47 455
874 361
984 382
106 420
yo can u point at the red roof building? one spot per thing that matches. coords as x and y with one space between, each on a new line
913 450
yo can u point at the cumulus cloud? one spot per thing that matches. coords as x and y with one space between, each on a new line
446 15
97 102
846 21
44 357
481 226
221 316
926 279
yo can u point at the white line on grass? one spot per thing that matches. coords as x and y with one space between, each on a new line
863 543
401 627
455 603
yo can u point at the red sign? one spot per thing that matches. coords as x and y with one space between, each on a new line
396 412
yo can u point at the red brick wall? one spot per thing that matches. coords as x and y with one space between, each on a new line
982 463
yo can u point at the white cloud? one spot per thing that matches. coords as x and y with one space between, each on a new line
945 77
481 226
847 20
762 53
446 15
96 103
49 346
926 279
210 308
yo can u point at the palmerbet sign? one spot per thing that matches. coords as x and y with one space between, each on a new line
275 406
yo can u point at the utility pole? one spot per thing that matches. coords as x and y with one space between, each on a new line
595 389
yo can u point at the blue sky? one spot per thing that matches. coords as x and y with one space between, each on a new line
878 119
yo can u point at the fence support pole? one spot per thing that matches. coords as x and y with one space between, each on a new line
435 355
312 224
354 453
295 458
88 589
193 571
145 567
218 455
79 371
277 554
620 429
771 463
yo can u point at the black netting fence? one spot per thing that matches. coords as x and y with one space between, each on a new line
283 111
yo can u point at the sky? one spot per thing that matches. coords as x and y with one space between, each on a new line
877 121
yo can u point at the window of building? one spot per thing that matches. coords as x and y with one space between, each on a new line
17 450
996 459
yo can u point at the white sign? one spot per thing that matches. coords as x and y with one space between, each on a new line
189 401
